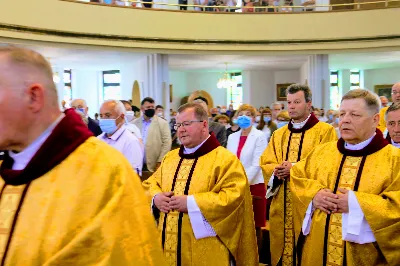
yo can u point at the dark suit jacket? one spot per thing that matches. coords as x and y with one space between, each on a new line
219 132
94 127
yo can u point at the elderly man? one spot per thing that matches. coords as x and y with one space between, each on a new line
129 117
346 194
288 145
393 124
81 106
202 192
218 129
115 133
276 109
395 99
155 133
66 198
384 101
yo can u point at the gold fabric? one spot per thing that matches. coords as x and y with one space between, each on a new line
378 195
220 188
88 210
281 231
382 120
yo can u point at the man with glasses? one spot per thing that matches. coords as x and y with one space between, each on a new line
202 192
395 99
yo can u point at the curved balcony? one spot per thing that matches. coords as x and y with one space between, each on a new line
164 31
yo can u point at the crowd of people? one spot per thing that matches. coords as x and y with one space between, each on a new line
69 198
222 5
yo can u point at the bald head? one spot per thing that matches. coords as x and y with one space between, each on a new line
28 97
396 93
80 105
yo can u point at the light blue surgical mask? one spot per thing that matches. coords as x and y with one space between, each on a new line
267 119
108 125
337 120
244 121
234 121
331 117
282 123
82 110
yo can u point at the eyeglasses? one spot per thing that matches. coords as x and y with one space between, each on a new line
395 92
186 123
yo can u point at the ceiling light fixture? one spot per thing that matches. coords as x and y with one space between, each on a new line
226 81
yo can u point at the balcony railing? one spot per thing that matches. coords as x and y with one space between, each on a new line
256 6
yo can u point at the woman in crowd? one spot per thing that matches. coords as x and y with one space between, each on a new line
248 144
266 124
223 120
283 119
234 126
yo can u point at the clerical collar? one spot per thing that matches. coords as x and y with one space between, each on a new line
193 150
397 145
207 146
64 139
307 124
359 146
301 124
21 159
370 146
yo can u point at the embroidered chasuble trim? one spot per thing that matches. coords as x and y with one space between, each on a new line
172 226
288 256
14 222
179 247
348 177
172 188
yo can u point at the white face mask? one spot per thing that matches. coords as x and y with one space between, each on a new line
257 119
160 114
227 126
130 115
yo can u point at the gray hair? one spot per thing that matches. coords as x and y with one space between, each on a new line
82 100
198 109
294 88
275 103
371 99
119 107
392 108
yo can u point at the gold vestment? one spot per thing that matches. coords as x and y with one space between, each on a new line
291 145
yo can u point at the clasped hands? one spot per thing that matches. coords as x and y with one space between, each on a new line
166 202
328 202
282 171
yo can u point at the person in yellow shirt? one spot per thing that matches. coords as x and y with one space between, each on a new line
288 145
395 99
203 194
346 194
66 198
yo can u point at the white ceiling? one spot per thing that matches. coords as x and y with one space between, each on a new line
365 60
112 58
216 63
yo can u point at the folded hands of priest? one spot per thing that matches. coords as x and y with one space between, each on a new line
328 202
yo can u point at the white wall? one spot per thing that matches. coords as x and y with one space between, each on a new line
86 84
374 77
259 86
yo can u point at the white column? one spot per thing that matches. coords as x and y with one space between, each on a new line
318 80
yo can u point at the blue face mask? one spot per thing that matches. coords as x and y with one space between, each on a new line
267 119
234 121
337 120
331 117
244 121
108 125
282 124
82 110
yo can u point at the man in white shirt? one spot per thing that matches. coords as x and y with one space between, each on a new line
393 124
203 195
346 194
115 133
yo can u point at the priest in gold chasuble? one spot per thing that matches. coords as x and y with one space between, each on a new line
393 124
202 192
287 146
346 195
66 198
